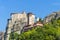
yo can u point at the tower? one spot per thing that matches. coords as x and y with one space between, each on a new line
31 18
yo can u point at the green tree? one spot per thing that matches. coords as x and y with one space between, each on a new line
50 31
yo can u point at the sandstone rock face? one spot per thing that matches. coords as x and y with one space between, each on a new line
17 22
54 15
1 36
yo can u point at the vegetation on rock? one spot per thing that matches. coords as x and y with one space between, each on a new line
50 31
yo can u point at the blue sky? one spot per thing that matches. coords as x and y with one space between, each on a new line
40 8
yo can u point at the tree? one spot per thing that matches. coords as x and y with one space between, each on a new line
50 31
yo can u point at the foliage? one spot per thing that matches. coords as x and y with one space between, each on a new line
50 31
